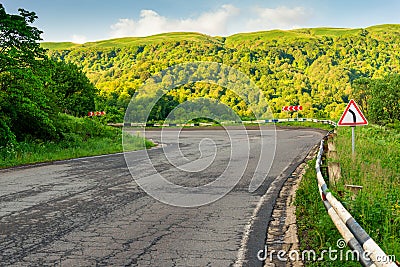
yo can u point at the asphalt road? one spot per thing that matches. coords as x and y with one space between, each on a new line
90 212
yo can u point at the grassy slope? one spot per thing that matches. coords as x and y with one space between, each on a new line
134 41
385 28
267 35
376 208
376 167
59 46
289 35
315 228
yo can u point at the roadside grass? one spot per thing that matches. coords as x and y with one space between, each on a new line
376 167
376 207
315 228
81 137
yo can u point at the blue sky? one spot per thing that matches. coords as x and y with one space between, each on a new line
90 20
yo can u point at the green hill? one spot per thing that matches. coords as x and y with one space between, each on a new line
312 67
290 35
58 46
133 41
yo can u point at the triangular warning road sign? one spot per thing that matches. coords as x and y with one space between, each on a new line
352 116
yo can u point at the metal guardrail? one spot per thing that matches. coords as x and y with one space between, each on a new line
128 124
301 120
354 235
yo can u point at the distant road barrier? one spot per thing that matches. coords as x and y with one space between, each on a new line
354 235
127 124
299 120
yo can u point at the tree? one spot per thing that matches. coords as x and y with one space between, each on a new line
73 92
25 108
384 103
361 93
380 98
33 88
19 47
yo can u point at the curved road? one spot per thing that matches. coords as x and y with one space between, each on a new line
90 212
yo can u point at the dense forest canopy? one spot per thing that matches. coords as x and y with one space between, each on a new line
315 68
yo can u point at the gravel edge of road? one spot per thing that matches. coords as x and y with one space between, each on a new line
282 230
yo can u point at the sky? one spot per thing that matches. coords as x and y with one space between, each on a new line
82 21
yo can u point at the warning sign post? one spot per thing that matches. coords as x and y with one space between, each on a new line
352 116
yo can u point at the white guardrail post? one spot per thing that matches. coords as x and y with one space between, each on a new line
355 236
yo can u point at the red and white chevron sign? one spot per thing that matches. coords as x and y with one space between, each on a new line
96 113
292 108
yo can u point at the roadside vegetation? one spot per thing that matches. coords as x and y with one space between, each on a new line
81 137
315 228
376 207
375 167
44 102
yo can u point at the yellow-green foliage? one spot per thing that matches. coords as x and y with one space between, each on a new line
311 67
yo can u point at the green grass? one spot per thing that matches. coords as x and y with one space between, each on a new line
377 207
58 46
389 28
315 228
307 34
266 36
135 41
81 137
35 152
376 167
135 142
329 32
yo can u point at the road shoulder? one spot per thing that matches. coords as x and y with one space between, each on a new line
282 229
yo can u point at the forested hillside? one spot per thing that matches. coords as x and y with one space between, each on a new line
310 67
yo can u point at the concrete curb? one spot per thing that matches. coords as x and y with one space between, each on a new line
282 229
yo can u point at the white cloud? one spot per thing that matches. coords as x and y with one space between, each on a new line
150 22
78 39
280 17
226 20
